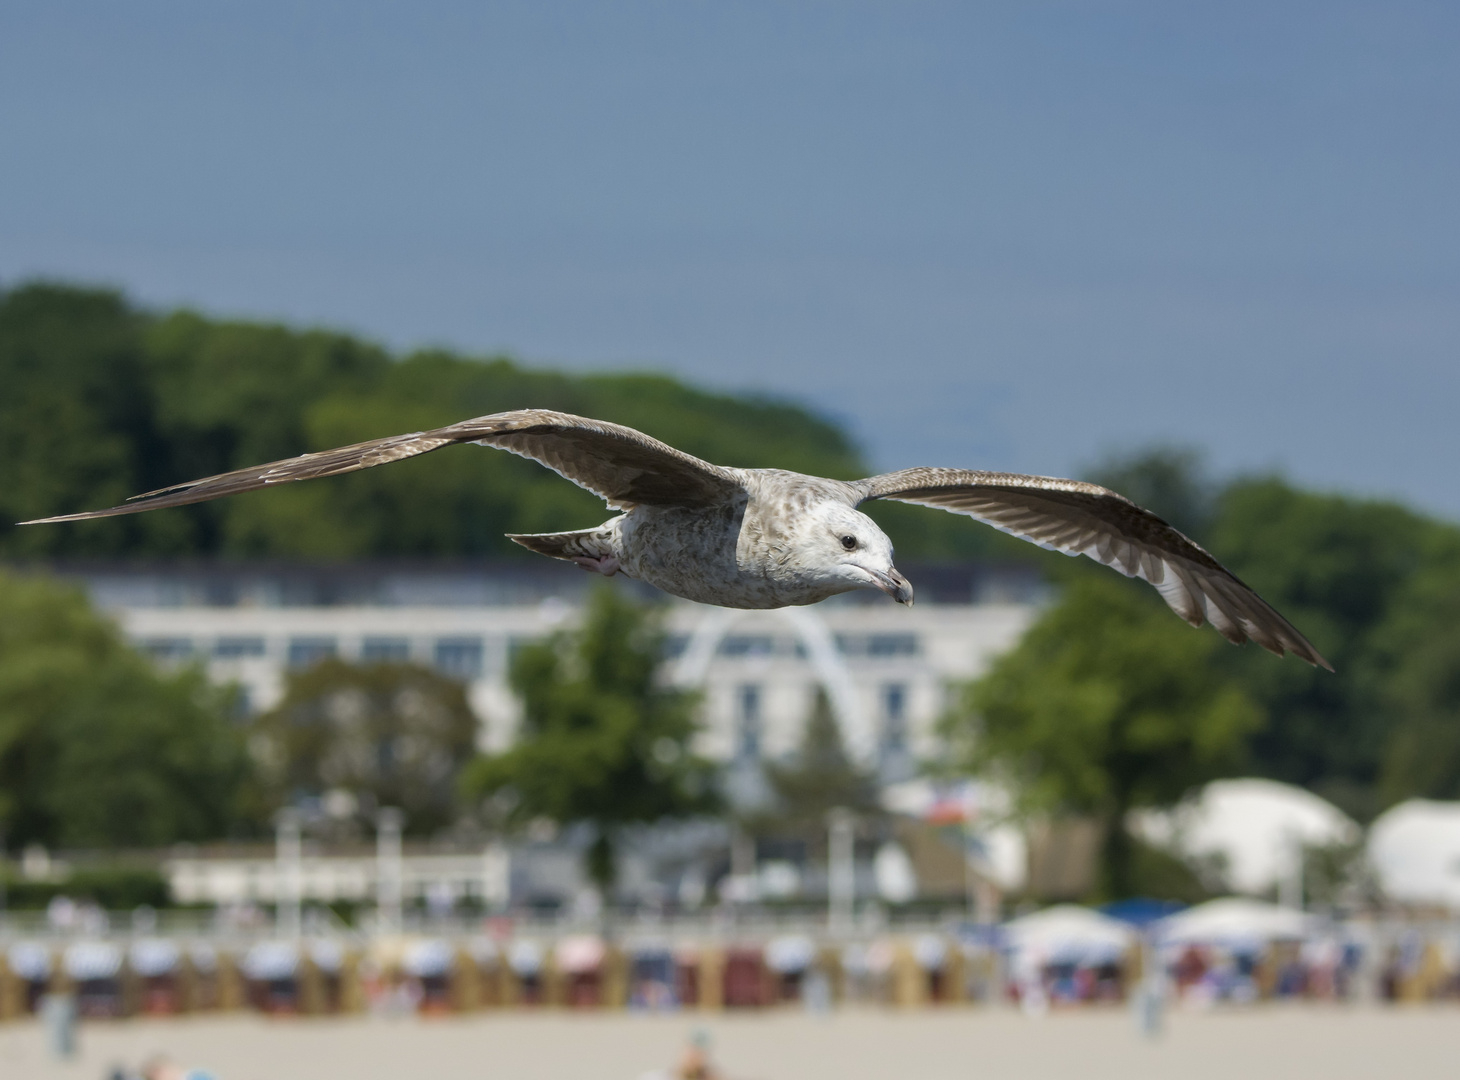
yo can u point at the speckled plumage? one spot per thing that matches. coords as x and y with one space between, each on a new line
767 538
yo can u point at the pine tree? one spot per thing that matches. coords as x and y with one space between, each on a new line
821 776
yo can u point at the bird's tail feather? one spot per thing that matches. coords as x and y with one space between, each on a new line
584 544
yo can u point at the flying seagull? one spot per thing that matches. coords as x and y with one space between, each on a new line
768 538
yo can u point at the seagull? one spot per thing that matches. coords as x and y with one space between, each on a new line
769 538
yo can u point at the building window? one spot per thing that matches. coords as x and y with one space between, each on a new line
220 593
168 648
238 648
307 651
240 707
385 650
747 645
892 645
748 722
879 646
461 658
894 718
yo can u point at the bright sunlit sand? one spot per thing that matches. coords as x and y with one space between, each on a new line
1280 1042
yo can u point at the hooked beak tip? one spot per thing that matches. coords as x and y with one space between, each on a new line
895 586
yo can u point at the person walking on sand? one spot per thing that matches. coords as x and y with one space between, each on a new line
695 1063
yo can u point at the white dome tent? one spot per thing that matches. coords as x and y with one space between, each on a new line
1235 923
1069 934
1254 826
1414 849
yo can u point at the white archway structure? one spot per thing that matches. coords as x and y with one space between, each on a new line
693 668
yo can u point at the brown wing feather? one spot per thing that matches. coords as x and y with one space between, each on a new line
1085 519
623 466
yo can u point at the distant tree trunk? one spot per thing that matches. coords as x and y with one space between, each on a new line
603 863
1116 878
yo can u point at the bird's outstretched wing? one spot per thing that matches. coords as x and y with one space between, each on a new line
623 466
1085 519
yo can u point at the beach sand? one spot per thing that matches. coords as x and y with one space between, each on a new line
1333 1042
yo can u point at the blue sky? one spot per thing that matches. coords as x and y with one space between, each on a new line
1012 236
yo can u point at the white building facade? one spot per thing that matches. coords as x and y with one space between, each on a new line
887 670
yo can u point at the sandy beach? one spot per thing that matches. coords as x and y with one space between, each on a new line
1278 1042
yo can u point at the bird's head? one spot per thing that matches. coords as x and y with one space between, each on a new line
853 553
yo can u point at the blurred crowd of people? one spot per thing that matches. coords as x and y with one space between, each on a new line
1230 952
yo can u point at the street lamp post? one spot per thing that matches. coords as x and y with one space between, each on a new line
288 872
983 894
4 873
841 880
389 871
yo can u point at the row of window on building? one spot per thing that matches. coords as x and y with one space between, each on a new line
459 657
462 657
892 739
767 645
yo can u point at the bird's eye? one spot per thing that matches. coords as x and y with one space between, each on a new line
849 542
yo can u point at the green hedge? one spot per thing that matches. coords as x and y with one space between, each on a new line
115 888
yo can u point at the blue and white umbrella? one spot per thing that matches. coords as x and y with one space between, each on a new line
790 954
152 958
271 961
328 955
29 961
86 961
930 951
525 958
424 959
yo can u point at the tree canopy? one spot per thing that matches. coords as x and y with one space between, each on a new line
1415 673
1346 570
104 400
602 741
1372 584
1104 707
385 734
98 748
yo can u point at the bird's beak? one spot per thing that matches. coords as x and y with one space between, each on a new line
894 585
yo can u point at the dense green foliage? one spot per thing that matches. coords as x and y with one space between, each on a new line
1169 481
602 741
1375 586
111 887
1348 572
1104 707
1415 673
377 734
97 748
103 401
805 787
819 777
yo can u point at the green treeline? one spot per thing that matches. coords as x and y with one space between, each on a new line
97 747
1374 585
100 400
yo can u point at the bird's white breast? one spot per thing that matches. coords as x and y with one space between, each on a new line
741 555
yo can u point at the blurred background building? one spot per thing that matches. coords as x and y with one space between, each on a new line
886 669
